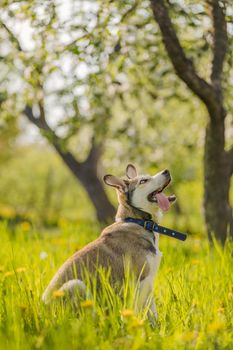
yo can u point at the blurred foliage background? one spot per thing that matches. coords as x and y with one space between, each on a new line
78 76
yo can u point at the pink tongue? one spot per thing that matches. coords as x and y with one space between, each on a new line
163 201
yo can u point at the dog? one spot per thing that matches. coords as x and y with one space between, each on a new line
140 198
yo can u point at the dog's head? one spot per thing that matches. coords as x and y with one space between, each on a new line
143 192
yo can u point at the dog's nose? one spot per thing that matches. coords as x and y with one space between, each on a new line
166 173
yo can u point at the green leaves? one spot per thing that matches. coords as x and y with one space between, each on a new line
100 68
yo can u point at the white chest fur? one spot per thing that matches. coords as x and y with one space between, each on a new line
153 260
147 285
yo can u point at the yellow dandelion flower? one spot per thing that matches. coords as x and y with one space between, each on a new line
58 293
195 262
58 241
25 226
21 269
8 212
169 269
87 303
195 303
136 323
221 310
2 268
230 296
127 313
188 336
9 273
215 326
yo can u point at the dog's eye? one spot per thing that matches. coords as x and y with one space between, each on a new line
143 181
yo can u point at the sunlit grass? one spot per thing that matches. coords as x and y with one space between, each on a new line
193 293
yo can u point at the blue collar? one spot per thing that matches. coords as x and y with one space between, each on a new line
151 226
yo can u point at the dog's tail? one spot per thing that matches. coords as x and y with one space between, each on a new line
69 289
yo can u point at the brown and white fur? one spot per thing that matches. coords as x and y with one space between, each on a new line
120 240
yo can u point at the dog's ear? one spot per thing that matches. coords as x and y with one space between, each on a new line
116 182
131 171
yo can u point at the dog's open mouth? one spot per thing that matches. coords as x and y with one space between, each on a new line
159 197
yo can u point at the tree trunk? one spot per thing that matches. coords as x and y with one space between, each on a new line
86 173
105 211
218 164
217 175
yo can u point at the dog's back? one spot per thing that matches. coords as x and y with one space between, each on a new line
117 243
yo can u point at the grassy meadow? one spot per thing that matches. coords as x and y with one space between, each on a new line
193 293
87 87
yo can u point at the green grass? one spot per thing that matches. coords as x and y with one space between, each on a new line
193 293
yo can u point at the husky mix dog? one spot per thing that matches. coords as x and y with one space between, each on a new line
140 198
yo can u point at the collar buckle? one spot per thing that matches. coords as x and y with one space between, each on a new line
148 225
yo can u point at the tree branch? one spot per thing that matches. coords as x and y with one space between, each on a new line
94 153
130 11
220 43
12 36
41 123
183 66
95 150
